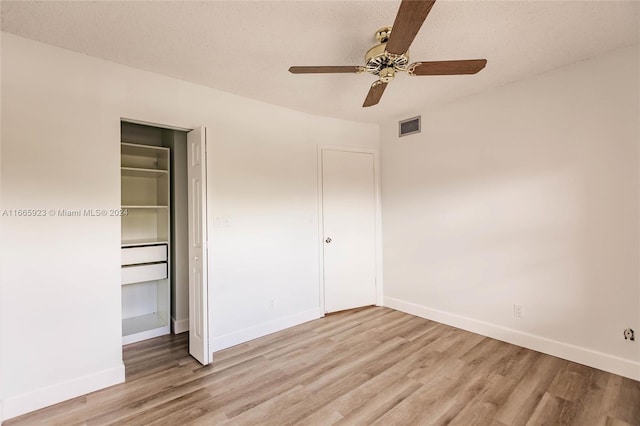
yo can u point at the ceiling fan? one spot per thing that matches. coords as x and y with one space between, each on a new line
392 53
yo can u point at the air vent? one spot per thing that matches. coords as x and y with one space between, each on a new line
409 126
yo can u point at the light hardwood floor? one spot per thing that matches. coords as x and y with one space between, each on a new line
373 366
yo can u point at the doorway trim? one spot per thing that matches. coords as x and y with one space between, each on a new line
378 218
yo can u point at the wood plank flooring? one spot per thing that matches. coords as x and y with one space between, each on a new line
372 366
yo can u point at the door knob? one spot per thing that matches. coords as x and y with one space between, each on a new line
196 258
328 240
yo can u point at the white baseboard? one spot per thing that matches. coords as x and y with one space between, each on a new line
600 360
43 397
180 326
244 335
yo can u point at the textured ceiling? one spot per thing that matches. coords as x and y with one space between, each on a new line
246 47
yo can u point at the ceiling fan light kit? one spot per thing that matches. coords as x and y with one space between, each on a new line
391 55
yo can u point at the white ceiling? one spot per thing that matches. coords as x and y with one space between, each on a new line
246 47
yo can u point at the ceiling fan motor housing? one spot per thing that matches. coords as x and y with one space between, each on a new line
379 62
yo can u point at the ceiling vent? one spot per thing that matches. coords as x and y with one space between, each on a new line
409 126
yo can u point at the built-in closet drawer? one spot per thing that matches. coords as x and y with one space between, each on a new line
144 254
140 273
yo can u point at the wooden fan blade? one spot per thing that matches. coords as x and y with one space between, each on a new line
375 93
325 70
470 66
409 19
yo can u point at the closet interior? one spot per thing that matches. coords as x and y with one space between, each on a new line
154 250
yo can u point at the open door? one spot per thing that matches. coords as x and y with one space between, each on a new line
197 206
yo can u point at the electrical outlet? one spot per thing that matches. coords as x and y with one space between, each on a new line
518 310
271 303
629 334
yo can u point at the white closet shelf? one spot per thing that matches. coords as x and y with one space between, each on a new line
145 194
138 149
142 172
144 242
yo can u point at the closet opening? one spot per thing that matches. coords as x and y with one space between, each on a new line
154 231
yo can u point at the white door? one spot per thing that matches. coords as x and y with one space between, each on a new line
197 206
349 229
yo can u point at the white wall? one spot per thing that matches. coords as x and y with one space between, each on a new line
60 149
526 194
